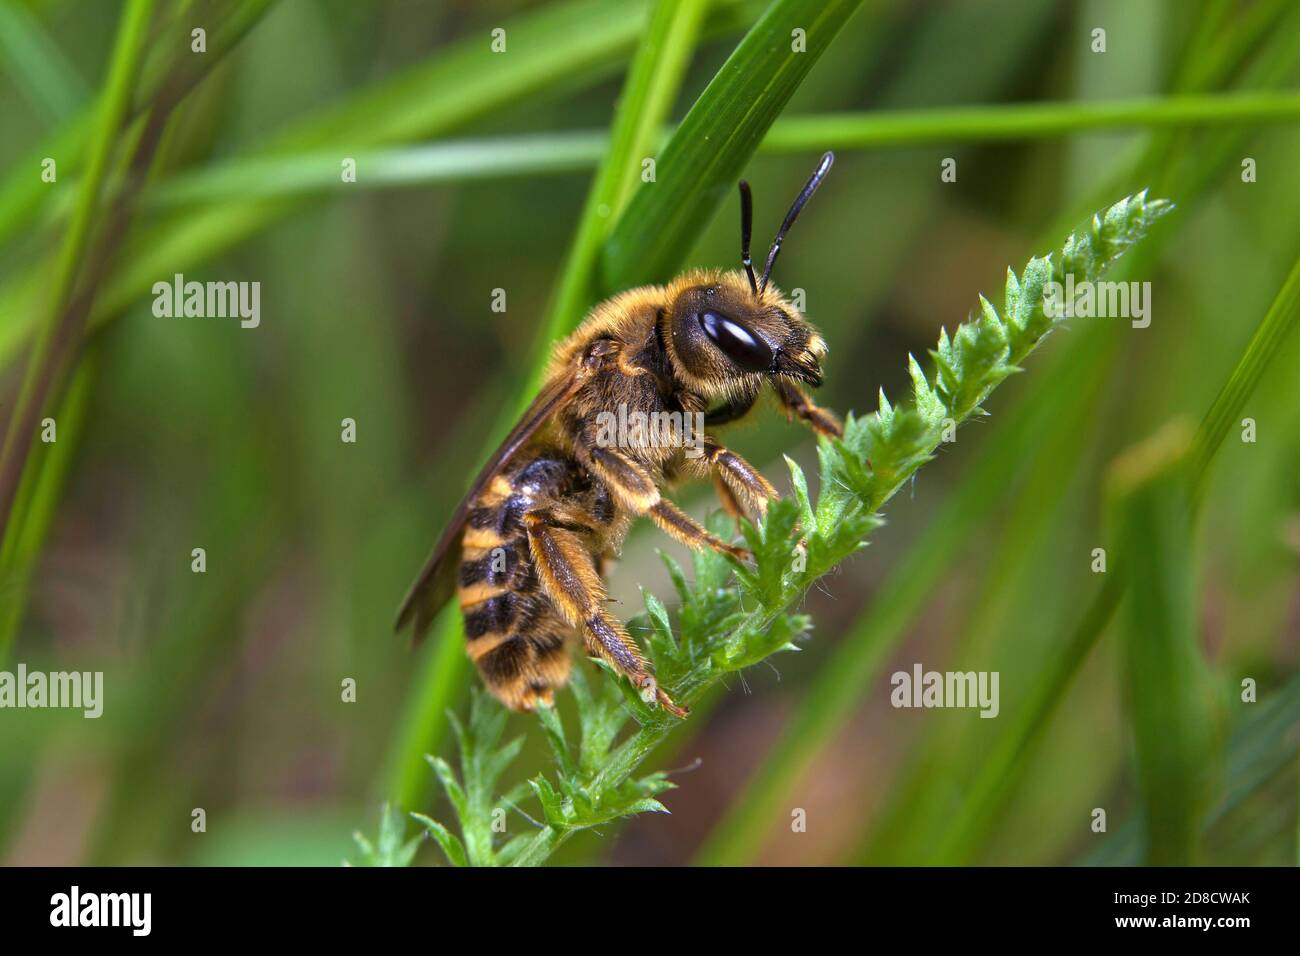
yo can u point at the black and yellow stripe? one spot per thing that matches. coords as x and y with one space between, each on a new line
514 634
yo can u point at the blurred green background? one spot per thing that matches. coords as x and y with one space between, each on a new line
222 689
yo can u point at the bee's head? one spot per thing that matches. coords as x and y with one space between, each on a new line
726 333
724 340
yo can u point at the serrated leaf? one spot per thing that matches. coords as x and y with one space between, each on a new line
452 848
450 785
551 800
391 848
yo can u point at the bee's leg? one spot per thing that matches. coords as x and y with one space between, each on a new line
568 574
676 523
728 498
800 406
748 488
636 490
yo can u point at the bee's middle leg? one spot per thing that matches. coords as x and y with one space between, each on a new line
568 573
635 489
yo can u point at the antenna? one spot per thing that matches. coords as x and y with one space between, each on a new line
746 230
800 201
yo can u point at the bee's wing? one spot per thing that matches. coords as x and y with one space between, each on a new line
437 580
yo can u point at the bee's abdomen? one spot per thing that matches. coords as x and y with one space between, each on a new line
513 633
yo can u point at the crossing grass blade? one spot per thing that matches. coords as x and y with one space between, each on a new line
1165 680
703 160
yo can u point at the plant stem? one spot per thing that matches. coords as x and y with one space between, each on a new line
58 335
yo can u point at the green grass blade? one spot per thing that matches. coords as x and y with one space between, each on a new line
534 154
1265 745
652 84
700 165
37 502
1027 121
460 83
37 65
541 154
23 193
43 368
1264 345
988 791
1165 680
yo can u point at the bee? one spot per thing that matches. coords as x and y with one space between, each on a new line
525 549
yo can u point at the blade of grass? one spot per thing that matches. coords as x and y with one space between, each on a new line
995 778
566 152
649 93
37 501
46 362
1026 121
703 160
1165 680
1266 743
37 65
1224 413
23 193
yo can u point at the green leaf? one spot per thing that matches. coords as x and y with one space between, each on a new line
451 786
391 848
452 848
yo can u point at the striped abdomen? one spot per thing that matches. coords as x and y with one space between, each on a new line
513 634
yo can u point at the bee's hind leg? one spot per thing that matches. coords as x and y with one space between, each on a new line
568 574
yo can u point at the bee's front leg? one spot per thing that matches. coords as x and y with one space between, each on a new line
800 406
745 485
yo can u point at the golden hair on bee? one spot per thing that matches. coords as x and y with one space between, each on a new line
525 549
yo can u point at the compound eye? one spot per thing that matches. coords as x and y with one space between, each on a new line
738 343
